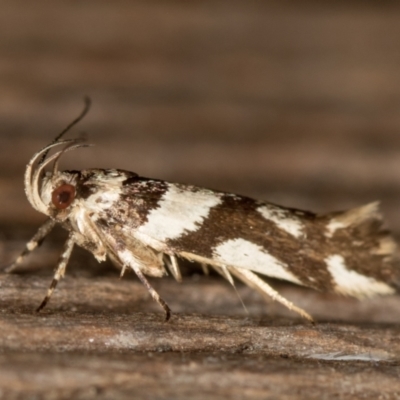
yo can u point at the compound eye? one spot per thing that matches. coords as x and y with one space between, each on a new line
63 196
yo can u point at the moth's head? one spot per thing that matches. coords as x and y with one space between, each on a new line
53 192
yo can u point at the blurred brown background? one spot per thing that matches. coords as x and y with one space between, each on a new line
293 102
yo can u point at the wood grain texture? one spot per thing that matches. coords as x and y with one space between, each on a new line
288 102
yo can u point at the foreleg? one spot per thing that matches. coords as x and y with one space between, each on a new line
35 242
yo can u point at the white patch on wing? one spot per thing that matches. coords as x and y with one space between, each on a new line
179 211
353 217
241 253
333 226
351 282
289 223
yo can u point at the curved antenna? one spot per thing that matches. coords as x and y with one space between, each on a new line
29 168
36 176
86 108
78 143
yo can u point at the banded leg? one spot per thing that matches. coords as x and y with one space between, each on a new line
60 270
152 292
124 258
35 242
252 280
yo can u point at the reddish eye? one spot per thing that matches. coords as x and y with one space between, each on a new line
63 196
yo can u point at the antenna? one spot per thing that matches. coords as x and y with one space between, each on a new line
86 108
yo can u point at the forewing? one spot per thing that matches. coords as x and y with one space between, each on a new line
217 228
223 229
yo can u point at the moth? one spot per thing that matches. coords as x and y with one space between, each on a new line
148 224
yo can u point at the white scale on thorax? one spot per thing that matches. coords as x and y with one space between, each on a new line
105 198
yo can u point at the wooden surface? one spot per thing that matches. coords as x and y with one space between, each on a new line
288 102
